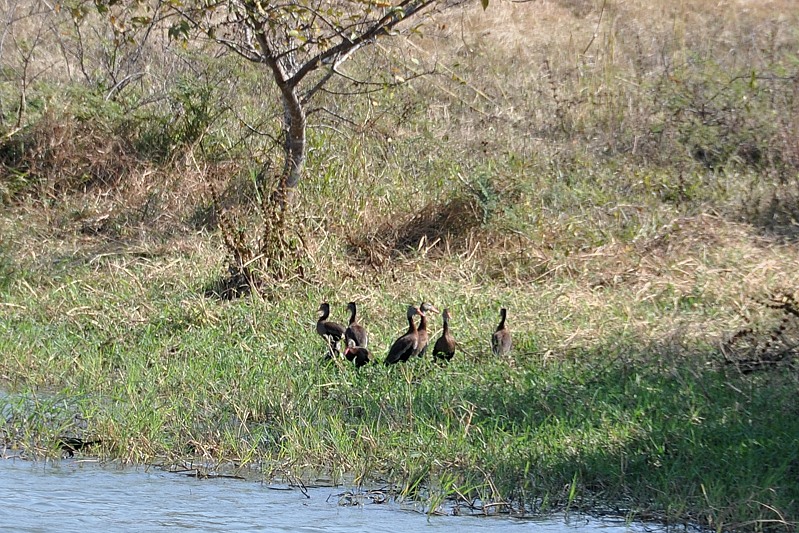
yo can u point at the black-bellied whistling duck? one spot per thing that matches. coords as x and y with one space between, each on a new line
357 354
403 347
355 331
330 331
500 340
422 329
445 345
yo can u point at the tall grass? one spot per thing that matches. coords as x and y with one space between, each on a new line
653 420
621 176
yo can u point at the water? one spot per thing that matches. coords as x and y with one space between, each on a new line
74 496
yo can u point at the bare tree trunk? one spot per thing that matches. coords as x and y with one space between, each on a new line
294 121
294 131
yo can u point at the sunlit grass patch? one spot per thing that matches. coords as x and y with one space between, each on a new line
619 176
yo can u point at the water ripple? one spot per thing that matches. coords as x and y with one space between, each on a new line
79 497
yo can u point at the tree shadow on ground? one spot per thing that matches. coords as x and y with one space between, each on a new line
682 436
774 212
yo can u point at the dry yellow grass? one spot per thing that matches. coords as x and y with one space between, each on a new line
528 79
553 165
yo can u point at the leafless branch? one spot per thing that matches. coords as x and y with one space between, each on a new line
380 28
309 94
121 84
596 31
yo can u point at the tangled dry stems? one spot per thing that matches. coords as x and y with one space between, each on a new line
61 155
438 227
770 338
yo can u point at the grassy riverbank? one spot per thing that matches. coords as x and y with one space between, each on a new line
630 198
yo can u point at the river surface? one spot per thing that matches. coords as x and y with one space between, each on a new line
77 496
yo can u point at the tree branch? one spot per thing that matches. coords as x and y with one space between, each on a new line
318 85
379 29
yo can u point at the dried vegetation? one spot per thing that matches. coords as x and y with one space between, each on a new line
622 175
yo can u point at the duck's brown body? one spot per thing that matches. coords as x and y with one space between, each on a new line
357 354
501 340
354 330
422 335
404 346
445 345
331 331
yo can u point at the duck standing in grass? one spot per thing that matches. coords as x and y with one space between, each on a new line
501 341
357 354
331 331
355 331
423 336
404 346
444 347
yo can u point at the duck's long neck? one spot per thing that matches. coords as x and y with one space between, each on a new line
352 316
423 323
501 322
412 324
325 314
446 325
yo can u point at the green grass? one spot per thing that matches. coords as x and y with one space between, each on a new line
161 374
632 203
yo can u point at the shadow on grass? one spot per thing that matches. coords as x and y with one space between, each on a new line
774 212
680 438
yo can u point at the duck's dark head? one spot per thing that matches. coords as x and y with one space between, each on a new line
324 310
427 308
